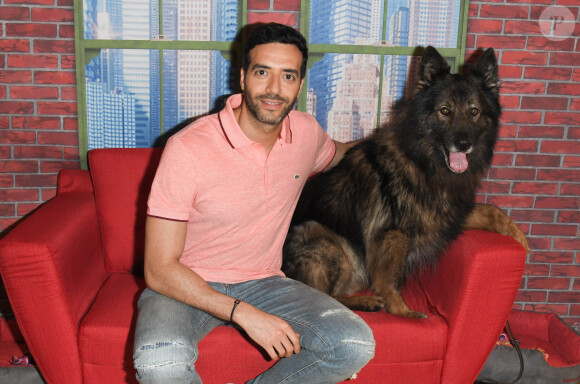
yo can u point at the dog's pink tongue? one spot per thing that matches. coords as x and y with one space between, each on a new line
458 161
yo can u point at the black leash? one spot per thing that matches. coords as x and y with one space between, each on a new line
515 343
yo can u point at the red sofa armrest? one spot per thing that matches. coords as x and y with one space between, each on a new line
473 288
52 266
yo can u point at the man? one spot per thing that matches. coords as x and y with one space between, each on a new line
218 213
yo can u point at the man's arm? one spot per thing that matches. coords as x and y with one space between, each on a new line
164 244
341 149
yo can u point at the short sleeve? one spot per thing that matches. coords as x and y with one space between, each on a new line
174 188
325 150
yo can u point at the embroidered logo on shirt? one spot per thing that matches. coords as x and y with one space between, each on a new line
296 176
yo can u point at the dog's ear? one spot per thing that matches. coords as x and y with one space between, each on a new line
486 67
433 65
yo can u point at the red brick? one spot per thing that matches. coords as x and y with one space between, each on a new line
552 257
38 152
496 187
564 297
538 161
501 41
7 181
575 105
36 122
52 14
30 2
54 46
569 216
17 137
25 209
68 93
558 175
504 11
16 77
55 166
508 131
18 166
541 132
4 122
56 108
16 107
58 138
554 230
55 77
70 123
559 146
14 45
533 188
574 133
282 18
564 58
525 87
540 243
532 215
512 173
564 89
545 73
557 202
548 283
31 30
552 103
19 194
68 62
541 43
565 118
521 117
39 180
570 189
524 57
33 92
14 13
485 26
559 309
567 244
48 193
3 92
520 27
511 201
531 296
502 159
516 146
571 162
66 31
32 61
258 5
7 210
287 5
510 71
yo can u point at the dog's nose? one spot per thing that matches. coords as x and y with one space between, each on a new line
462 144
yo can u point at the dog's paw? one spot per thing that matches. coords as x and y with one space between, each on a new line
371 303
414 315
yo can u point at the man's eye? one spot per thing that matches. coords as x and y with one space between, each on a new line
289 77
260 72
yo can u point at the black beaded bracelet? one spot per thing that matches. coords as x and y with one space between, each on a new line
238 301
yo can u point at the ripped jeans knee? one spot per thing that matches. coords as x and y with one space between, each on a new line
166 362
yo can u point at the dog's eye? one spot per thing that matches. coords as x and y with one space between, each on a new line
474 111
445 111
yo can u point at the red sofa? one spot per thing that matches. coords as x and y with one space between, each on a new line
72 271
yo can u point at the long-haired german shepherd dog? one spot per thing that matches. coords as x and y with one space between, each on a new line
399 197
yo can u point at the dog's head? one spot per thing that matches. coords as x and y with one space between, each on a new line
459 112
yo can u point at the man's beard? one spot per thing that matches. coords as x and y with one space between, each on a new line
253 107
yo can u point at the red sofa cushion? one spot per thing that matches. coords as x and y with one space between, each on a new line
106 338
121 208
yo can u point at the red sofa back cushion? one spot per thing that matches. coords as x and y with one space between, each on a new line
122 179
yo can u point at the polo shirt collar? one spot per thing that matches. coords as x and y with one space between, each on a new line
236 137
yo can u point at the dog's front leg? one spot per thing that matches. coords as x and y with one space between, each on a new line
386 257
492 218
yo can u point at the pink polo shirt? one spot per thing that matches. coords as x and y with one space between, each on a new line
237 202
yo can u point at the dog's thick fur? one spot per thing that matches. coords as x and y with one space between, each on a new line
397 198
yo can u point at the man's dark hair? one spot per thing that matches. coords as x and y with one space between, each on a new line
275 33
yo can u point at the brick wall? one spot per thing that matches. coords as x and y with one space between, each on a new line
536 172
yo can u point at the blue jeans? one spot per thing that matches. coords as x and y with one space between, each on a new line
335 342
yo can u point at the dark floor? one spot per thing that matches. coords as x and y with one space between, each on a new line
20 375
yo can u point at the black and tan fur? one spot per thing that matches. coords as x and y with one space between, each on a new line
394 202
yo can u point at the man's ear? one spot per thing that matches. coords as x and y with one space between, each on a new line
242 78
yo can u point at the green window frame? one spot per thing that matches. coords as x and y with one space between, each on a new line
86 49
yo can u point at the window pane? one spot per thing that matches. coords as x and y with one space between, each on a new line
409 22
194 84
201 20
123 99
343 94
400 75
121 19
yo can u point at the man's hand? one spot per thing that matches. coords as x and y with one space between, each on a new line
272 333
